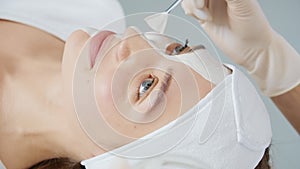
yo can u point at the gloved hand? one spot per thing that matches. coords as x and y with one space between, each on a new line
240 29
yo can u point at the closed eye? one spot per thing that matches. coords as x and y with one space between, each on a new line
177 48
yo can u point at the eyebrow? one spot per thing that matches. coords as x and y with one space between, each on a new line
166 81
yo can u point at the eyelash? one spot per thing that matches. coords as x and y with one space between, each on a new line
177 48
138 97
165 80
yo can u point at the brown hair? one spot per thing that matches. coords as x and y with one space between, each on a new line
58 163
264 162
66 163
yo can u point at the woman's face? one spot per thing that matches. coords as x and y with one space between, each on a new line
136 89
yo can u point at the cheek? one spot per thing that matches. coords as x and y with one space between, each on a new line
173 107
104 96
110 110
107 106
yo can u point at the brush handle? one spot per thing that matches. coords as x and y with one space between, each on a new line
175 4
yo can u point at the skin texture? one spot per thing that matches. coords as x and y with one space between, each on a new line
33 100
37 111
289 106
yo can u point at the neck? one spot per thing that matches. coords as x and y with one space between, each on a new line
39 122
18 40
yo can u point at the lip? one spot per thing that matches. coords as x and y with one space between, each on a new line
96 44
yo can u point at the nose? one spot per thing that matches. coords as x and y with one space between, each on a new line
131 42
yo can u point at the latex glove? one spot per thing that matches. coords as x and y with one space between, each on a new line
240 29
